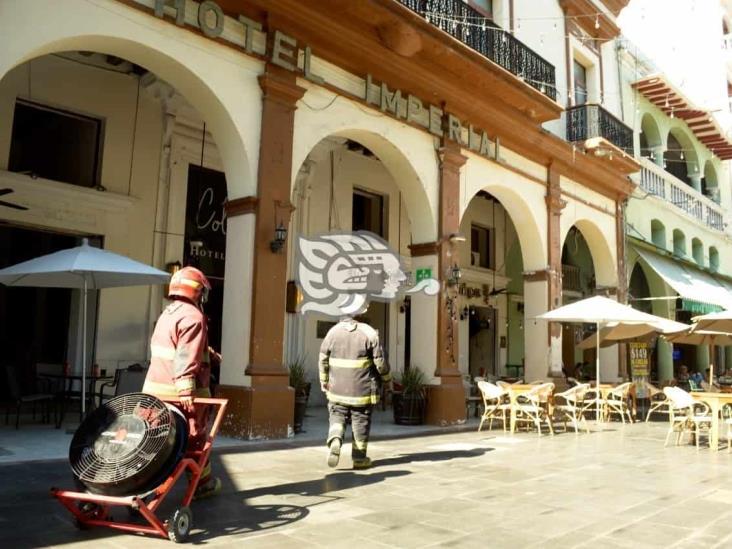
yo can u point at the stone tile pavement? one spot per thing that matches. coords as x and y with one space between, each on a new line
615 487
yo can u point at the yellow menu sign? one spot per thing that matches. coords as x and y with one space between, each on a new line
639 359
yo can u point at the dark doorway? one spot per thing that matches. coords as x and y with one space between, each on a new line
482 341
35 321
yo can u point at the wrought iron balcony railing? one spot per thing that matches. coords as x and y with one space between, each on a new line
587 121
459 20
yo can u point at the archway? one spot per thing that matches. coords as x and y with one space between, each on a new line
203 77
649 137
358 180
680 158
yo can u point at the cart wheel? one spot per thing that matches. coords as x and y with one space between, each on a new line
179 524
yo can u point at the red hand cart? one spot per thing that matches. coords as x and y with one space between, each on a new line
94 510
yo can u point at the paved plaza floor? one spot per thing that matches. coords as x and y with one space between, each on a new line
615 487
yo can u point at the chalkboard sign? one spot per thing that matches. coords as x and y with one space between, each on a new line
204 242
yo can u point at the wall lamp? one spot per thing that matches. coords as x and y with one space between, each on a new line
280 233
280 237
453 275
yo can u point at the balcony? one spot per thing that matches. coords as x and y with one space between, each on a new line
658 182
470 27
588 121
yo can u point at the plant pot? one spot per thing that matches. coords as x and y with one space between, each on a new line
408 408
301 404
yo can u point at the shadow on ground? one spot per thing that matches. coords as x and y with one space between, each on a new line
406 459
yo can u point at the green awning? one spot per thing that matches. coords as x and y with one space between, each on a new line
697 307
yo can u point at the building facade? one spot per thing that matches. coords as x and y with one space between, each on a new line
677 223
182 132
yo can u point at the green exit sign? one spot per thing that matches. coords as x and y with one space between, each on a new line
424 274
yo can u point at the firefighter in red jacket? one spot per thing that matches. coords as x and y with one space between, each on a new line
180 362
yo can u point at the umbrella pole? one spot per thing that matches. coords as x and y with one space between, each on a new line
83 355
711 363
597 371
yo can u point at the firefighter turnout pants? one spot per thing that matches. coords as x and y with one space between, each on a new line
359 417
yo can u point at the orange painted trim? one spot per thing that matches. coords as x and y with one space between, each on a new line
241 206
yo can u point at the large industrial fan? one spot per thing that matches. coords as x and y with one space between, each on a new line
129 453
128 445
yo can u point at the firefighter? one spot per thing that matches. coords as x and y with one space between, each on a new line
180 364
352 369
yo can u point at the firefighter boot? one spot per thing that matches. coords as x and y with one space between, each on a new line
209 489
362 463
335 452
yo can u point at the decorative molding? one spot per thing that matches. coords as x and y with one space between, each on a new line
241 206
538 276
280 86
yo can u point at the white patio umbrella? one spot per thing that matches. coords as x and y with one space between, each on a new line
615 333
602 312
716 322
86 268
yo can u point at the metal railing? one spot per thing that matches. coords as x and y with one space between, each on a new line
571 278
466 24
658 182
587 121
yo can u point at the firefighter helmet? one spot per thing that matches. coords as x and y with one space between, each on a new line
190 283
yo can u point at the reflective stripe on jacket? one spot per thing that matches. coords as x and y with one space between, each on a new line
179 363
351 364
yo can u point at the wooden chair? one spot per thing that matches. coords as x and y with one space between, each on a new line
687 415
568 405
19 398
495 404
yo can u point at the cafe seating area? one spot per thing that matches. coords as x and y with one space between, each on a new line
55 391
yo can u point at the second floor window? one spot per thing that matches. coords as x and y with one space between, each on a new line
580 83
482 247
55 144
485 7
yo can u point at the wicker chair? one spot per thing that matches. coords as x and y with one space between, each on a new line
568 406
687 415
495 404
616 401
533 406
659 401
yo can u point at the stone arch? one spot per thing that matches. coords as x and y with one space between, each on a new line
681 158
713 258
414 169
679 243
600 249
656 287
650 135
526 209
697 251
658 233
232 114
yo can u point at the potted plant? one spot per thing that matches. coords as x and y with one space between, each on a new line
409 397
299 382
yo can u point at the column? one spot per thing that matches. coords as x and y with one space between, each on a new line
658 151
554 207
727 358
665 360
537 340
446 401
703 359
622 293
265 409
696 181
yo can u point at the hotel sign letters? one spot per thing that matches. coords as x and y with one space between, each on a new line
284 52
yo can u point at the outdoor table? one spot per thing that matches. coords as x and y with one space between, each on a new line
67 383
715 401
518 389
